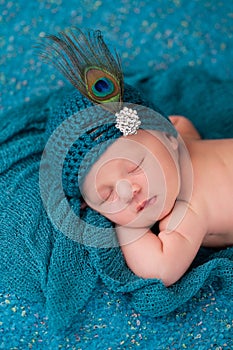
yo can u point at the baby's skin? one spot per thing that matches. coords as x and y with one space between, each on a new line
185 184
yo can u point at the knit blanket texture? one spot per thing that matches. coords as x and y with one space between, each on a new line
42 264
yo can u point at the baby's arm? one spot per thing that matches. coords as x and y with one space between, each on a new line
166 256
184 127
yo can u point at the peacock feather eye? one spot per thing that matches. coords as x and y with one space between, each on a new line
103 87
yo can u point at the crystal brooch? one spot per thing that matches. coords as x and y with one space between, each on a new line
127 121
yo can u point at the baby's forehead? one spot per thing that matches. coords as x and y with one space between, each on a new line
131 148
122 149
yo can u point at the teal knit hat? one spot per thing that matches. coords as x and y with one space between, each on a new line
81 131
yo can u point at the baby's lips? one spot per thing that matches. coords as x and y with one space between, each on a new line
146 203
141 206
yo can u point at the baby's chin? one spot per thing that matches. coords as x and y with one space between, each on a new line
142 224
127 235
144 220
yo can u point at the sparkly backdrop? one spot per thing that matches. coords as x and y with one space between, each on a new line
152 37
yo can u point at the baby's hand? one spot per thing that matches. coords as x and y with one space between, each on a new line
166 256
184 127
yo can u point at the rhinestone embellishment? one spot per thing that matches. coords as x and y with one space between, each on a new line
127 121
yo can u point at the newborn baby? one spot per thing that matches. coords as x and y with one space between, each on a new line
138 177
145 178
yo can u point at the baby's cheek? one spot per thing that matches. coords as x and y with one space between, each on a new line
120 218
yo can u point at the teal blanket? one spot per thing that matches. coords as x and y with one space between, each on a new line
167 35
42 264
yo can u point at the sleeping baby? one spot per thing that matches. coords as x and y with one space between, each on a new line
144 178
129 164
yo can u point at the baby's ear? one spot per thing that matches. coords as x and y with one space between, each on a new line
173 141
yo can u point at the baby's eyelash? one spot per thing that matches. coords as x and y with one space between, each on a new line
110 193
107 198
137 167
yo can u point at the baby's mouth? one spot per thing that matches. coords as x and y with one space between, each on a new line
146 203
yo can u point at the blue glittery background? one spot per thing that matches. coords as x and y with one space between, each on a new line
151 37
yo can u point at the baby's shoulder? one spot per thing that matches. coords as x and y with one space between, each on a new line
184 218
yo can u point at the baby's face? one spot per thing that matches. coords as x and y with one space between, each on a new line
136 181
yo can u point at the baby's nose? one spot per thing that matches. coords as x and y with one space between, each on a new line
126 191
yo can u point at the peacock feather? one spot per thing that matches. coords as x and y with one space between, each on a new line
85 60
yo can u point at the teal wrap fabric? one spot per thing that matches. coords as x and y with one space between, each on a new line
42 264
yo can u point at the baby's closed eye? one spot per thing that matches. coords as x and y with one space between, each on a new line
107 195
136 168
